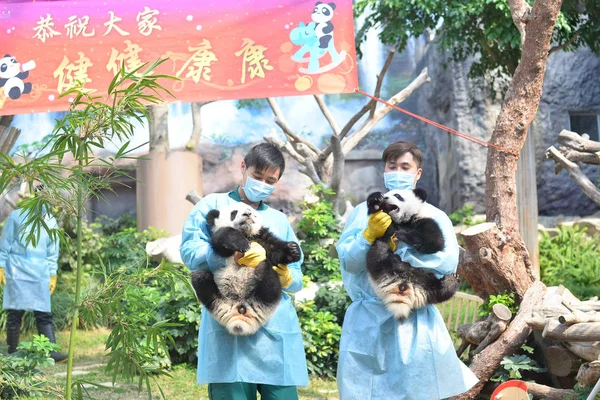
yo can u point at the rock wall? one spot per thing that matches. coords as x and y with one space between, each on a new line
572 84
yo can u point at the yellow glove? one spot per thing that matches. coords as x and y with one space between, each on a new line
52 284
378 224
254 256
285 275
393 243
2 278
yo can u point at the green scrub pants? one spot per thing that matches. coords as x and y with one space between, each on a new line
247 391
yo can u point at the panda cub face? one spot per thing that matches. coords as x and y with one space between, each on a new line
323 12
402 205
239 216
9 67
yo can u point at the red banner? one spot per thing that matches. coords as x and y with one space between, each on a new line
221 49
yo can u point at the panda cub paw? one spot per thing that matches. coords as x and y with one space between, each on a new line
374 202
292 253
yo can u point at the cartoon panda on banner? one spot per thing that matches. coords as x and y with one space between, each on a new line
322 16
401 287
12 76
240 298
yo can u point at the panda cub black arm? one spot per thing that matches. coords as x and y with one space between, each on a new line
278 251
23 75
3 82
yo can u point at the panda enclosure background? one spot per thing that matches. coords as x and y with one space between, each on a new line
454 169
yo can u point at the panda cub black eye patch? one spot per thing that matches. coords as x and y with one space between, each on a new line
325 12
3 68
233 214
399 197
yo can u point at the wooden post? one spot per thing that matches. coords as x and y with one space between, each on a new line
527 201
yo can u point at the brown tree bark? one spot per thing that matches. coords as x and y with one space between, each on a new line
519 108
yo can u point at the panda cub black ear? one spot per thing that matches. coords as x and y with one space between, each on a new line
420 193
332 5
233 214
211 217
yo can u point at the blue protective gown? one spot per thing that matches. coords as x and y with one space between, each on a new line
275 354
27 269
380 357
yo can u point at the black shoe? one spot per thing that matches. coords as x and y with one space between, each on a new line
47 329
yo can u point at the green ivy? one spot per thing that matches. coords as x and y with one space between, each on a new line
321 336
319 229
571 258
333 299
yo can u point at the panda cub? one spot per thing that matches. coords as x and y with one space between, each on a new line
322 15
400 286
240 298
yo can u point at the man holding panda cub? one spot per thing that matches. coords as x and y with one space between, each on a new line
271 361
382 357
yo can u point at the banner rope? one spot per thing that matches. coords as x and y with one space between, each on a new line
473 139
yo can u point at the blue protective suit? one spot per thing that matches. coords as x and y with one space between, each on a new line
380 357
27 269
275 354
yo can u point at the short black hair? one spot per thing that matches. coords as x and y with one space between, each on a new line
265 156
398 149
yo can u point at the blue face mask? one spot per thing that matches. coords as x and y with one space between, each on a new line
256 190
399 180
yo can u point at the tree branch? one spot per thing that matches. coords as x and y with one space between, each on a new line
327 114
565 45
280 120
285 147
310 171
521 13
338 171
576 142
380 77
192 144
578 156
369 106
351 141
576 174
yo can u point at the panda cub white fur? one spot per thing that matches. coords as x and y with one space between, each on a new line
401 287
240 298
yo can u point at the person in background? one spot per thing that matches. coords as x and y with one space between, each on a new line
380 357
28 274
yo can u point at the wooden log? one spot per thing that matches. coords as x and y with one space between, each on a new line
579 317
486 331
482 264
567 296
589 373
487 362
589 351
536 322
575 173
583 332
560 361
547 393
193 197
576 142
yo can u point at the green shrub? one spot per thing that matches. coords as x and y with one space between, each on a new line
319 229
462 216
571 258
321 336
19 374
181 306
333 299
508 299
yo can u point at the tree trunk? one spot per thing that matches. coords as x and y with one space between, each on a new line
8 136
560 361
589 373
194 141
519 108
159 128
487 362
547 393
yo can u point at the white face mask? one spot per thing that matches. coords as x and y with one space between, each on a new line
399 180
256 190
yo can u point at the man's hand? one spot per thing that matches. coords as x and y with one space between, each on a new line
285 275
52 283
378 224
2 278
254 256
